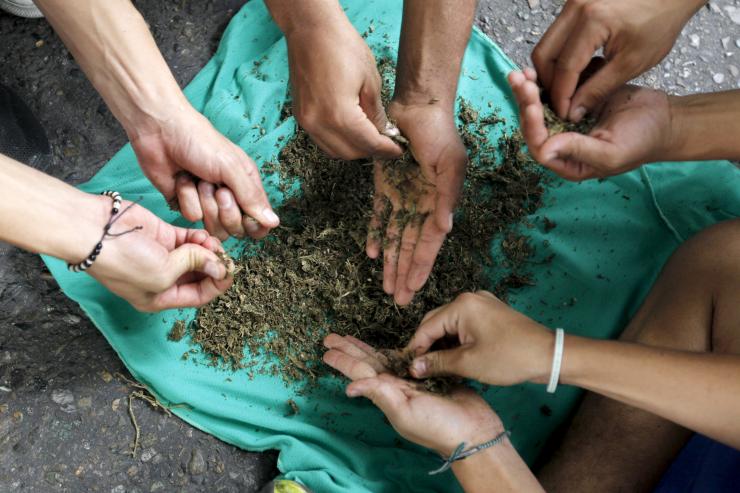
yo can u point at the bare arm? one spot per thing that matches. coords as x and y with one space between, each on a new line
146 266
114 47
501 346
434 36
706 126
700 391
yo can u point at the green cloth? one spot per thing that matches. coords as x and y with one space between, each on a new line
611 240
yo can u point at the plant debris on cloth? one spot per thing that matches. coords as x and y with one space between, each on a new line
311 276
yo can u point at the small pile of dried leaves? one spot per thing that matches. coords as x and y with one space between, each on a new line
556 125
311 276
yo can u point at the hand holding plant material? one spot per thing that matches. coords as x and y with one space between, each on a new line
496 344
161 266
187 148
431 420
415 197
635 36
633 127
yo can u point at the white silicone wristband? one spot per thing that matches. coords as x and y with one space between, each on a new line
557 360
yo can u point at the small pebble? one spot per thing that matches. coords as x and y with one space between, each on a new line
694 40
197 464
737 42
734 70
39 43
718 78
725 42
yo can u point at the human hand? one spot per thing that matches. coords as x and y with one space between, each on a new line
336 91
633 127
430 420
160 266
422 197
635 36
497 344
186 146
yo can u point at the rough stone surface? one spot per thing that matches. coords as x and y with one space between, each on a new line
64 423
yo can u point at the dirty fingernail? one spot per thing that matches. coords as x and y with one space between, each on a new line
270 216
449 223
251 225
578 113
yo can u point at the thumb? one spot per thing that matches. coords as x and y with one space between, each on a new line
194 258
372 105
584 156
437 363
596 89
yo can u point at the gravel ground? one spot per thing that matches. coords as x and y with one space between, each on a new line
64 423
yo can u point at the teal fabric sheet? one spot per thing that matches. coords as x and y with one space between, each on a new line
611 240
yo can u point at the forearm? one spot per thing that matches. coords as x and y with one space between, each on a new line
705 126
306 15
498 468
44 215
700 391
434 36
113 45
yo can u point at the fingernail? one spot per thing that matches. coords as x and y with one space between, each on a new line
251 225
270 216
449 223
419 366
550 156
224 199
352 393
391 130
212 269
578 113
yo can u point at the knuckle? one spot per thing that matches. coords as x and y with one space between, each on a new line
593 11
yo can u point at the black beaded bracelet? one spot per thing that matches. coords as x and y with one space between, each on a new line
87 263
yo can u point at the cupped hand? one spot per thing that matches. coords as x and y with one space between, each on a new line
430 420
421 202
496 344
633 127
187 149
158 266
336 92
634 34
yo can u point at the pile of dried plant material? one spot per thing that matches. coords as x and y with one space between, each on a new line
556 125
311 276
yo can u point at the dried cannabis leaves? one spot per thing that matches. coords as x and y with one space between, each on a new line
312 276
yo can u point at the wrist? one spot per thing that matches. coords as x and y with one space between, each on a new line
81 220
312 17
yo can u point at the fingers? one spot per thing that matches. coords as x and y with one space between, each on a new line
402 294
530 109
187 198
372 106
242 178
390 253
374 242
192 294
385 391
449 182
229 214
211 221
437 325
429 243
185 260
547 51
573 59
439 363
597 88
578 157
